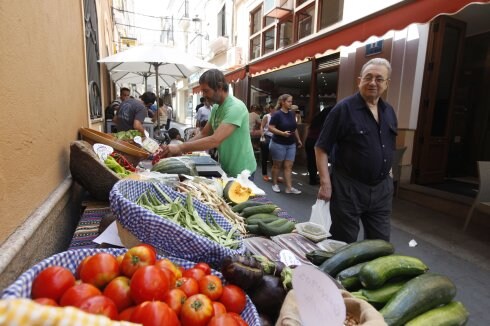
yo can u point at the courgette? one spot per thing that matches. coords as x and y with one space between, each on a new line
252 228
266 218
454 313
318 256
262 209
249 203
349 277
379 297
417 296
356 253
276 229
376 272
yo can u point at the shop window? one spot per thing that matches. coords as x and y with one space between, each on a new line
285 31
330 12
256 21
269 40
305 22
255 47
222 22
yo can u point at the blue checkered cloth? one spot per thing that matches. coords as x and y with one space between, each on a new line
70 259
164 234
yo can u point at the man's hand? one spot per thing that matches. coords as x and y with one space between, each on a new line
174 150
325 192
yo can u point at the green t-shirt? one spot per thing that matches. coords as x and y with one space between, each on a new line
235 152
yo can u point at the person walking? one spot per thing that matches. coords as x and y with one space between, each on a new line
283 143
361 130
226 129
132 113
265 140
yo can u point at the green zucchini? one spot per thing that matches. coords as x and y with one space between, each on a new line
238 208
379 297
318 256
356 253
454 313
417 296
376 272
262 209
252 228
276 229
349 277
266 218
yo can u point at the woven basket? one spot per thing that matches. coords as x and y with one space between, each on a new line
132 153
162 233
88 170
21 288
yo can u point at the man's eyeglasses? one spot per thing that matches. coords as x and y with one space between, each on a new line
378 80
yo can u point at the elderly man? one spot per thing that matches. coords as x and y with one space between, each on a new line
360 133
132 113
227 128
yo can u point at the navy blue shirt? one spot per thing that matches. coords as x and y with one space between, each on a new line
363 147
284 122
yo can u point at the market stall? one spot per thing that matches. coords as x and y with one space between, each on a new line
219 246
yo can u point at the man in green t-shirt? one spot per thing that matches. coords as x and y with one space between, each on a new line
227 128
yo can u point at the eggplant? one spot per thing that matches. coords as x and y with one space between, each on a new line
244 271
268 296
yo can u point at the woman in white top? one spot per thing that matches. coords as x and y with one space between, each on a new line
162 111
265 139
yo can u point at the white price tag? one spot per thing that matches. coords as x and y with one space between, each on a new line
288 258
138 140
319 300
102 150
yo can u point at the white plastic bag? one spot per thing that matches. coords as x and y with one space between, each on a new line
320 214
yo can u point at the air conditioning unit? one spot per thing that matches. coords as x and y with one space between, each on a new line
234 56
218 44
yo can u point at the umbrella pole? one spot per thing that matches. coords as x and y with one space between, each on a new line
158 97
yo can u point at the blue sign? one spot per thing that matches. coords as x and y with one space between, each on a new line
374 48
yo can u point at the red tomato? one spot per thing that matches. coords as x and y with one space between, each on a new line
211 286
175 299
100 305
188 285
52 282
149 246
100 269
148 283
126 313
137 257
234 298
219 308
79 267
196 311
195 273
238 318
170 276
46 302
166 263
118 290
205 267
223 320
154 313
75 295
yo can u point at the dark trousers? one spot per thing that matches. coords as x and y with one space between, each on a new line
264 153
352 200
311 159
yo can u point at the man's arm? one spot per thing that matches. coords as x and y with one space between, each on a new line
137 125
203 142
325 191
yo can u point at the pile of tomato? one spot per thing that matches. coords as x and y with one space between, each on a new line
139 288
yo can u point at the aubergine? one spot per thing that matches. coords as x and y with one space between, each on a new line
243 271
268 296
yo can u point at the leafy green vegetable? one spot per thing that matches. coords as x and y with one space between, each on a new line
127 135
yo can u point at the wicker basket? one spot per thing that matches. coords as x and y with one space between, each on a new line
21 288
163 234
88 170
132 153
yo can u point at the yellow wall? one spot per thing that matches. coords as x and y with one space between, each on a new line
43 98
